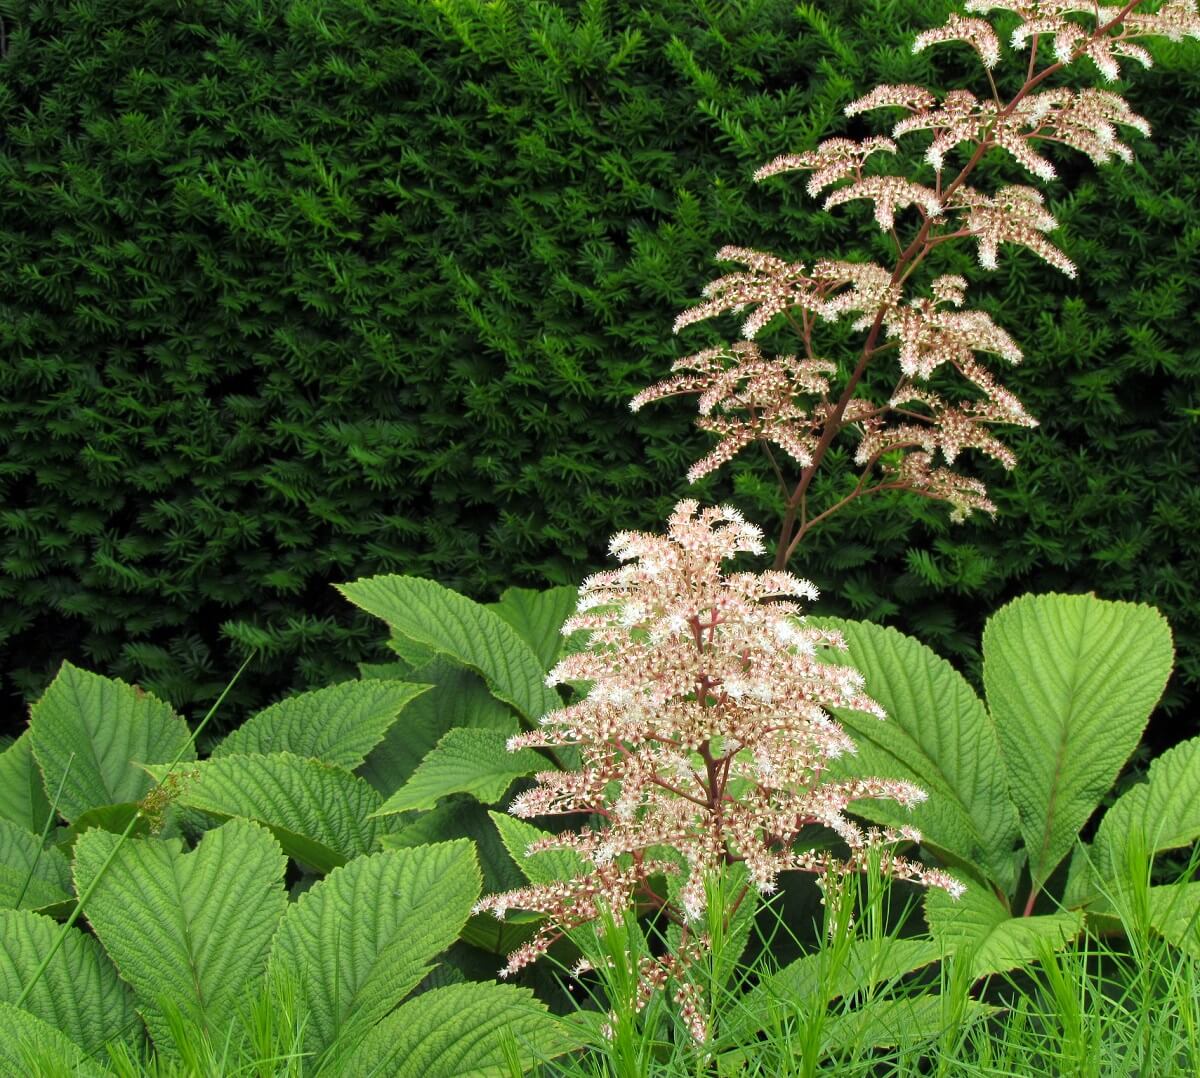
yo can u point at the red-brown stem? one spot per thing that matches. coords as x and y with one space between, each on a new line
906 263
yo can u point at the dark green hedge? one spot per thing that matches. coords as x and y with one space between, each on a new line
296 292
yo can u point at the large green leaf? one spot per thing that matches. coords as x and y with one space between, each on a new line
340 724
95 731
937 734
32 1048
359 941
79 993
189 929
460 817
43 875
464 761
23 798
891 1023
1175 915
978 927
1163 813
456 697
455 1031
1071 681
320 813
538 616
435 616
789 990
544 867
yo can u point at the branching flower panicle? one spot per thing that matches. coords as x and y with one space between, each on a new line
902 433
705 737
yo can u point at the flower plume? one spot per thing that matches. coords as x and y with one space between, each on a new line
705 737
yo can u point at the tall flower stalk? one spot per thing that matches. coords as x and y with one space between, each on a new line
944 398
706 733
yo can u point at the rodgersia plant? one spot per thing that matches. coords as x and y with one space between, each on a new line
705 734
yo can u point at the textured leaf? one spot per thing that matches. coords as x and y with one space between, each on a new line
792 987
435 616
892 1023
114 818
1164 811
464 761
461 817
80 992
544 867
937 734
537 616
320 813
455 1031
1070 681
23 798
340 724
457 697
189 928
32 1048
48 875
1175 915
360 940
978 925
110 727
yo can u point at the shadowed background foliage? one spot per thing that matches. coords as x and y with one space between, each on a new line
296 292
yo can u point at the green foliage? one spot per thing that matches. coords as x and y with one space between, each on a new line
446 623
90 733
23 798
30 1045
981 931
457 1030
319 813
295 295
189 930
363 938
464 761
340 724
80 992
1071 681
1070 684
33 876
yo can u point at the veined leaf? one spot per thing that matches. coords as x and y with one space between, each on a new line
23 798
80 992
114 818
790 989
455 1031
48 876
1164 811
110 727
938 735
538 616
464 761
31 1046
466 631
890 1023
456 697
544 867
340 724
460 817
1175 915
978 926
320 813
1071 681
189 928
363 938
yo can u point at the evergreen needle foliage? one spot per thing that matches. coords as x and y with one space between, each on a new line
293 293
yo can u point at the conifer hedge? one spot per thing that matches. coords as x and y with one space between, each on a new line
295 291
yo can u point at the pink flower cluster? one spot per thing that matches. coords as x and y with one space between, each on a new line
704 738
